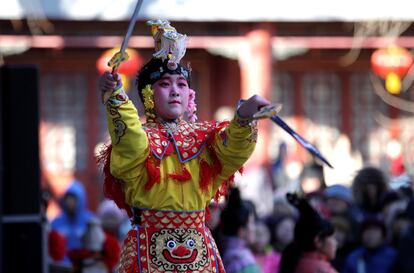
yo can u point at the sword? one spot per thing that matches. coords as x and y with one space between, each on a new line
121 56
271 112
312 149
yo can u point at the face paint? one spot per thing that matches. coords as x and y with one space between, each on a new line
171 94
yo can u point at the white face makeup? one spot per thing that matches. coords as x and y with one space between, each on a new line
171 94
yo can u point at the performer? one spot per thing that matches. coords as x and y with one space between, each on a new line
165 172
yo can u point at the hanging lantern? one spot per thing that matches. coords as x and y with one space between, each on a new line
391 64
127 69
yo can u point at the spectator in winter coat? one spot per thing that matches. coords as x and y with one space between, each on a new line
375 255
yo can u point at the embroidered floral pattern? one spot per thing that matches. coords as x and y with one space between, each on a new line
119 125
119 128
187 138
117 98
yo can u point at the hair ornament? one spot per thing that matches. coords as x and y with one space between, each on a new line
148 95
169 44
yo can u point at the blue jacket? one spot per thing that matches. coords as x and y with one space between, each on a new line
73 228
362 260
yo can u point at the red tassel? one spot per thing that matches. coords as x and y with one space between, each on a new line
224 188
205 175
113 187
216 168
184 176
153 170
211 138
207 172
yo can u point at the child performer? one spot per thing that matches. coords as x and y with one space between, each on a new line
165 172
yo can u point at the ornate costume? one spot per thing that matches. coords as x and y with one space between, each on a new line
165 173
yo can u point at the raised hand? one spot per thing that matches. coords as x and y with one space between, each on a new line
108 82
249 107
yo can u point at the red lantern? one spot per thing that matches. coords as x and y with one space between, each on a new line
128 68
391 64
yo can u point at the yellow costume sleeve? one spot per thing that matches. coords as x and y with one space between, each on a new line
130 150
233 147
129 141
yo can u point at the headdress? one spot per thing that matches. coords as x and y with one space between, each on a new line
170 47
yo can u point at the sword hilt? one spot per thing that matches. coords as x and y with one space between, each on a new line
116 61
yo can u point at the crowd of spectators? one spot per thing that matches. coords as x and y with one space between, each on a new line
372 220
372 225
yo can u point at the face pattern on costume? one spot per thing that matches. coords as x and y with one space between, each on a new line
178 250
170 241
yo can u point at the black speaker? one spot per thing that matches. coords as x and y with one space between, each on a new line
21 232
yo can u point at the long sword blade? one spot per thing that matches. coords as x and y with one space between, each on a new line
121 55
312 149
131 26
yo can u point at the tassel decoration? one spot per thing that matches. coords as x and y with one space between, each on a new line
153 169
205 175
209 172
182 177
113 187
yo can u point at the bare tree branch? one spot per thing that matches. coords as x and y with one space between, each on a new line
408 79
362 30
36 18
394 101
